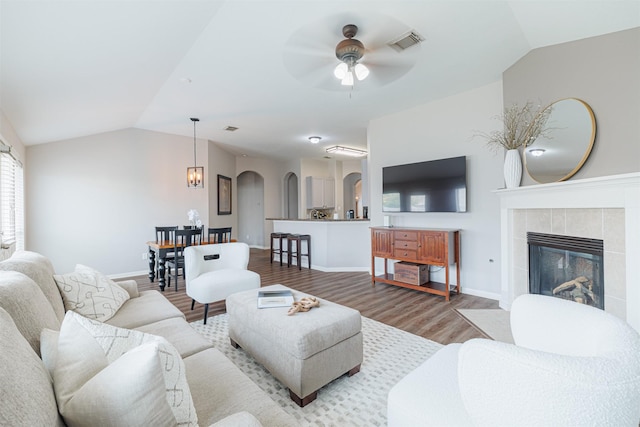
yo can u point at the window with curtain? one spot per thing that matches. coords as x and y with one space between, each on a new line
11 201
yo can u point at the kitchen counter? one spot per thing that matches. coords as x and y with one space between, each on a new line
336 244
318 220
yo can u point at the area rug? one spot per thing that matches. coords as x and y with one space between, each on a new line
492 322
360 400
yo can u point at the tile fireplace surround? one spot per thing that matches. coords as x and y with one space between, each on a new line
606 208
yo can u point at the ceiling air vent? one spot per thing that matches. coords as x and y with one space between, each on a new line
231 128
406 40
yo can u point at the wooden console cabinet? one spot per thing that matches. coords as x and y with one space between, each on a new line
439 247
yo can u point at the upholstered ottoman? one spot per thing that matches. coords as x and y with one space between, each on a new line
304 351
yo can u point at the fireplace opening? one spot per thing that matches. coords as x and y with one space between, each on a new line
567 267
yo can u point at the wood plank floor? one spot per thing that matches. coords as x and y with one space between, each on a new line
428 316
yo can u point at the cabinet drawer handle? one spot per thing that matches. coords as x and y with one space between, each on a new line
405 254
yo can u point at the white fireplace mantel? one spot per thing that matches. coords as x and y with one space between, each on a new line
616 191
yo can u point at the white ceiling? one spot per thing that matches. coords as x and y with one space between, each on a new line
75 68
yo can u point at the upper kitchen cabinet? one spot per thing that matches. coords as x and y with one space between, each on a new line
320 193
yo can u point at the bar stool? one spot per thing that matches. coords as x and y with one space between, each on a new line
297 253
281 250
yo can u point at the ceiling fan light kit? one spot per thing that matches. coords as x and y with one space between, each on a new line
350 51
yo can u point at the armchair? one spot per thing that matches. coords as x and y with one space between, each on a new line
213 272
571 364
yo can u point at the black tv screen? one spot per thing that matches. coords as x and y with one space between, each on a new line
431 186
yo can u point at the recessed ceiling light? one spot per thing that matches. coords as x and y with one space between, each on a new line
185 80
231 128
314 139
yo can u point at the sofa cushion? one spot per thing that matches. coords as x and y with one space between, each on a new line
40 270
104 371
131 286
179 333
149 307
176 330
26 392
220 389
49 349
23 299
90 293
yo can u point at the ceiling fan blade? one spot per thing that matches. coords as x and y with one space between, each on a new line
309 54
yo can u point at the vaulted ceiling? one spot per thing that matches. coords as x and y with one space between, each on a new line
76 68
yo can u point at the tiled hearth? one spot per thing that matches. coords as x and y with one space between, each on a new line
606 208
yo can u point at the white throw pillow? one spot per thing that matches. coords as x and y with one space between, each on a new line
105 375
91 293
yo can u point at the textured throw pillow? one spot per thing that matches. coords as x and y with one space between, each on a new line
105 375
91 293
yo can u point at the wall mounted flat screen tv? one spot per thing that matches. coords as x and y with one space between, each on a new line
431 186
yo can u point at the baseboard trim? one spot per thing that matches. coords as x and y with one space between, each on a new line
338 269
130 274
482 294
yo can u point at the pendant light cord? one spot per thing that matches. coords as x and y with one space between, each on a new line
195 162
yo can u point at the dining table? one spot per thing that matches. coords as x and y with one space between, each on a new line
158 251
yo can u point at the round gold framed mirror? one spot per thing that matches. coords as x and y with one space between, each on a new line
572 132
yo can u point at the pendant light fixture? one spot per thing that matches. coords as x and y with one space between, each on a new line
195 174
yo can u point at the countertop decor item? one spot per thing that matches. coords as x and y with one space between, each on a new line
194 218
522 126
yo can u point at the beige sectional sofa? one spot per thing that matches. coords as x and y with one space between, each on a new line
31 302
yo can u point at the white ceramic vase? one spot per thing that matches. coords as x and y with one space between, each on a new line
512 169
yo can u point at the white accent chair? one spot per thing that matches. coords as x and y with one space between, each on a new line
571 364
213 272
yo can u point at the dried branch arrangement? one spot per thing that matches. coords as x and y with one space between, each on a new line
522 126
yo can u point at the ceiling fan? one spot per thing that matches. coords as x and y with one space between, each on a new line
349 51
316 55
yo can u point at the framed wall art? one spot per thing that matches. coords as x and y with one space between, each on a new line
224 195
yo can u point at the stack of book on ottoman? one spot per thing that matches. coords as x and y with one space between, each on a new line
275 298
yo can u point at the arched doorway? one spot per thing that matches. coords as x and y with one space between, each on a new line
352 193
291 195
251 209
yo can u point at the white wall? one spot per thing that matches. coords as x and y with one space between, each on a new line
602 71
221 162
444 129
96 200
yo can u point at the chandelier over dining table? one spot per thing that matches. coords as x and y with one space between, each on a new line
195 174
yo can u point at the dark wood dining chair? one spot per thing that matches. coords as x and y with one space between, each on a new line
183 239
219 235
165 235
195 227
